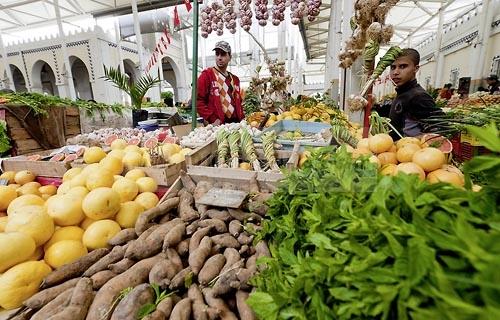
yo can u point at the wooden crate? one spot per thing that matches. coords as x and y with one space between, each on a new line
206 155
240 179
39 168
24 143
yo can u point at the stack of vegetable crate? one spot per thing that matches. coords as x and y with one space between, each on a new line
182 260
25 143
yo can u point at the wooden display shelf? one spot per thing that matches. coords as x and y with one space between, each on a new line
43 168
25 143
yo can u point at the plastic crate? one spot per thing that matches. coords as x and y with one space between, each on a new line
303 126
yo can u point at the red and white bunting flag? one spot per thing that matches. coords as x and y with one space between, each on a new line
167 34
160 49
163 42
177 20
188 5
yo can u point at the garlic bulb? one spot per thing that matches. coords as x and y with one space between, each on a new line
313 9
261 13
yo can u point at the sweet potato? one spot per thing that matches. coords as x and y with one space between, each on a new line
123 237
152 244
101 277
174 258
121 266
262 249
183 247
174 236
129 306
225 240
101 307
166 218
187 182
244 249
43 297
244 310
211 269
133 246
194 242
162 273
116 254
166 305
73 269
22 314
199 255
245 238
218 225
258 204
202 210
216 249
79 303
185 209
224 283
232 256
192 227
243 216
182 310
235 228
143 222
180 278
218 304
199 308
219 214
55 306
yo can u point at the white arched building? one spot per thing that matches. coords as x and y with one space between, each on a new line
38 66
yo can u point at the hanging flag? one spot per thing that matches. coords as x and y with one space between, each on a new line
188 5
159 48
164 42
168 36
177 20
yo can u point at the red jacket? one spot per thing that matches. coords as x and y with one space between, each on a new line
208 102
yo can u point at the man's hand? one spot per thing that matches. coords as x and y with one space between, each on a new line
216 122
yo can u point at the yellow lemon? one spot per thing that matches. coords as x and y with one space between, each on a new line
23 201
93 155
71 173
35 222
15 247
64 252
128 214
101 203
7 195
66 211
135 174
146 184
99 179
65 233
21 282
112 164
98 233
126 188
147 199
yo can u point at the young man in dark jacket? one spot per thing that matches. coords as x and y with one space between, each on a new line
412 103
219 96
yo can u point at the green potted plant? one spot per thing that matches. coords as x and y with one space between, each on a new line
136 90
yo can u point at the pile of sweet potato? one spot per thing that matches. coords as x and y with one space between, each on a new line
201 258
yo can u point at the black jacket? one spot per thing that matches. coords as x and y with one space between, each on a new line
411 105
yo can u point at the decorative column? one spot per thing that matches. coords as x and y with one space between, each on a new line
438 66
332 73
138 37
69 75
10 79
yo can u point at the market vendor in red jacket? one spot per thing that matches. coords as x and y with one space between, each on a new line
219 96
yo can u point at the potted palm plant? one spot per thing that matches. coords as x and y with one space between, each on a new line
136 90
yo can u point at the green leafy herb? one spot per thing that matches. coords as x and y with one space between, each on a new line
347 243
151 307
4 138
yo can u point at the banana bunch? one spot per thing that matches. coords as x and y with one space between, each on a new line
312 112
256 118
